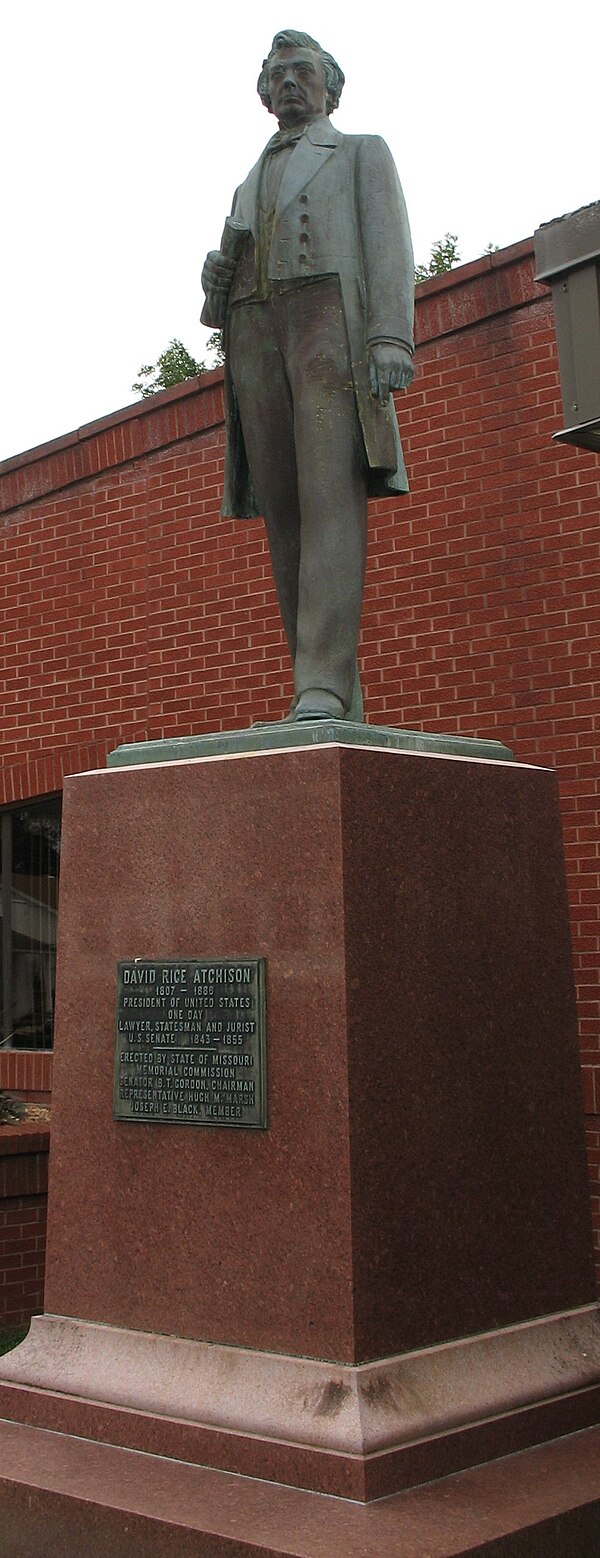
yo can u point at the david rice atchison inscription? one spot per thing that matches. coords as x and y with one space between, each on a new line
190 1042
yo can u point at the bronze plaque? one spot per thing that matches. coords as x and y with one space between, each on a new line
190 1046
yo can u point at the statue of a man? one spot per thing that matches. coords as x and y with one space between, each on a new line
313 285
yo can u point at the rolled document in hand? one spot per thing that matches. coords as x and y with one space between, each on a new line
232 242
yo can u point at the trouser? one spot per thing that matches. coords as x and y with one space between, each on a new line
290 366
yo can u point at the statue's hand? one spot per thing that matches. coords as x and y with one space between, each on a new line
217 273
390 367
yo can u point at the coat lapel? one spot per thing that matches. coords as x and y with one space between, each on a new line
313 150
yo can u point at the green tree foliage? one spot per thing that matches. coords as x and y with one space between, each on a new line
444 255
175 365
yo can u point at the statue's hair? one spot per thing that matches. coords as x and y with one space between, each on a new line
334 77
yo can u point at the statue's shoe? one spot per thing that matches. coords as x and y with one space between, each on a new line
318 704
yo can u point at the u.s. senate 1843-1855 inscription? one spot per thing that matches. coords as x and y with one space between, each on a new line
190 1045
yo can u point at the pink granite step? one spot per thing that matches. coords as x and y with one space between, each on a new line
62 1497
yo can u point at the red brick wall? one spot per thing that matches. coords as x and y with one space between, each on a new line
27 1073
23 1197
134 611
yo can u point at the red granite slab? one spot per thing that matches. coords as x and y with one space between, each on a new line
222 1234
423 1173
470 1203
60 1498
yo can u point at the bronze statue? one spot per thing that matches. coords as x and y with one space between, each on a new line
313 285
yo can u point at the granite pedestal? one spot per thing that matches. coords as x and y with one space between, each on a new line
394 1281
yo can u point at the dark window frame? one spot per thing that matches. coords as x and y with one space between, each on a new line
38 959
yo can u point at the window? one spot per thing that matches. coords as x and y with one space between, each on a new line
30 837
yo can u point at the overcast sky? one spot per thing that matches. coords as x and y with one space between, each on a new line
126 125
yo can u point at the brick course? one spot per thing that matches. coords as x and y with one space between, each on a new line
133 611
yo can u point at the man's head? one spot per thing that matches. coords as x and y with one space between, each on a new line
299 81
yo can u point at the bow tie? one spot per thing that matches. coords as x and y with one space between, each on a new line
283 138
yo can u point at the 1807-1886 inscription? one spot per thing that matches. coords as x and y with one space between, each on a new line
190 1046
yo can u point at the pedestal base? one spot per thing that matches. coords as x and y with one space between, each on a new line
423 1174
358 1432
395 1280
281 737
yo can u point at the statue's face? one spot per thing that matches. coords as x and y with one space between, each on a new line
297 86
